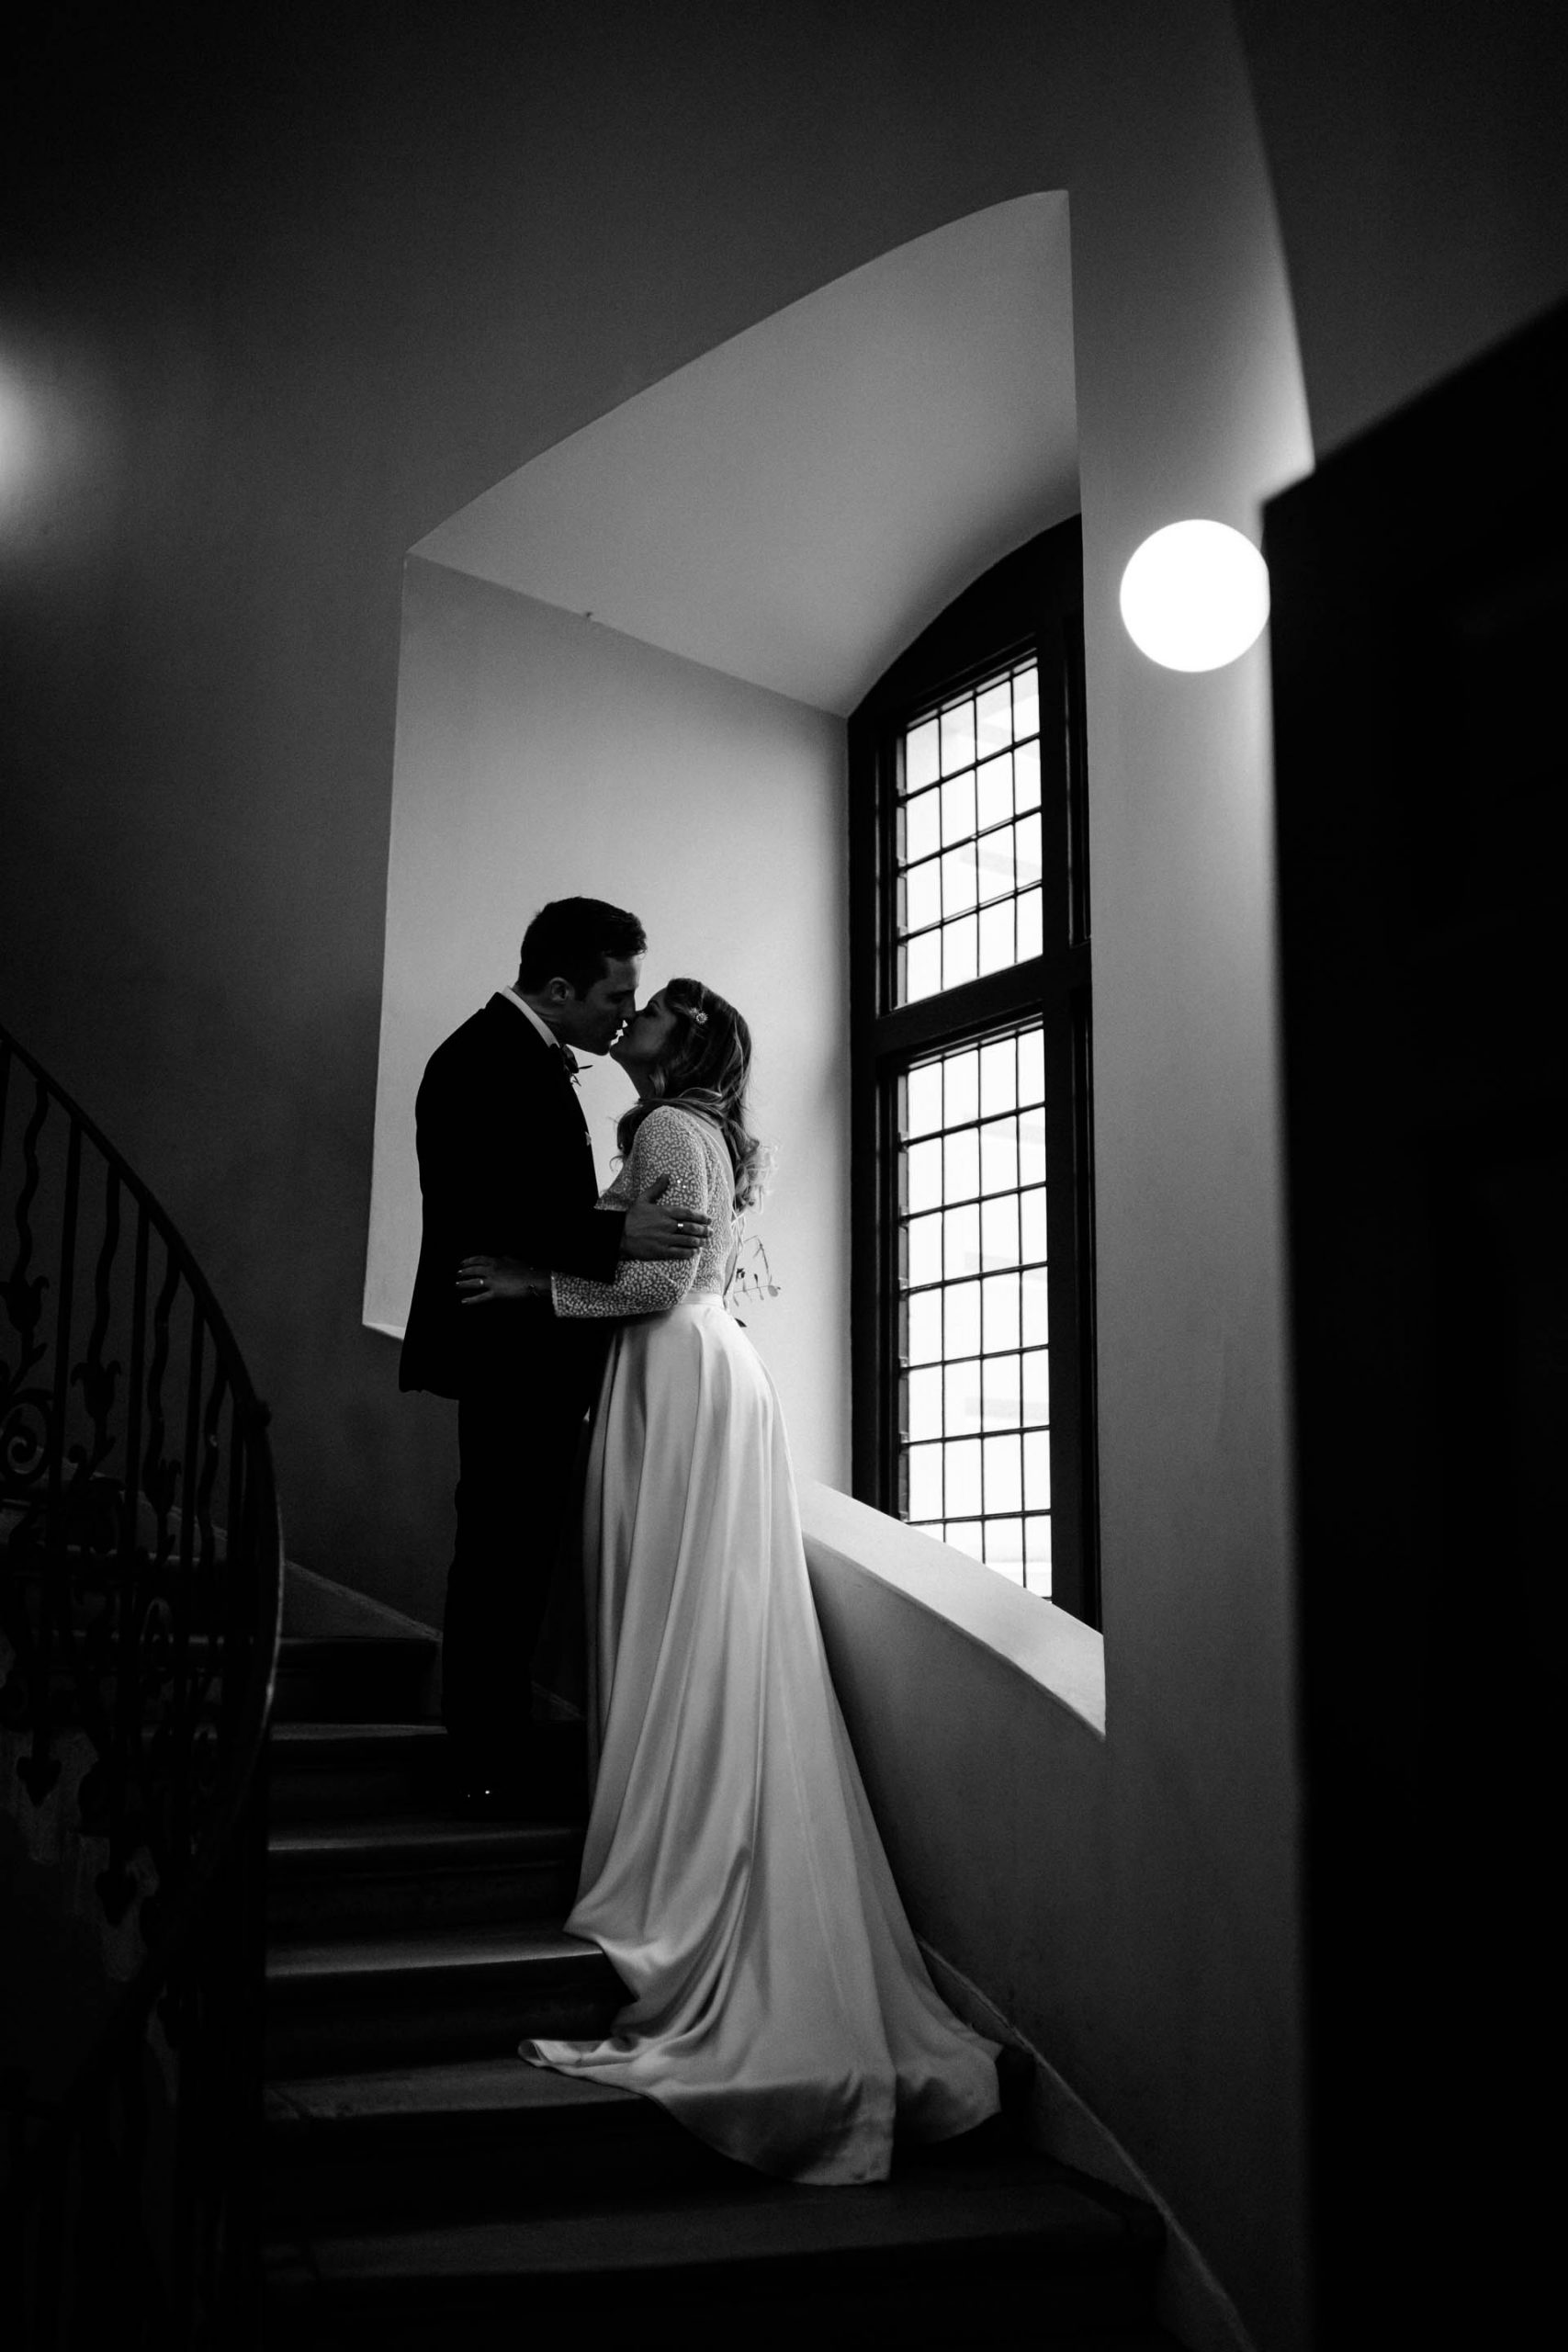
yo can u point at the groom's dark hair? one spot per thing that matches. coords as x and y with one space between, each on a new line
571 939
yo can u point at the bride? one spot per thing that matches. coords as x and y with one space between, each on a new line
732 1872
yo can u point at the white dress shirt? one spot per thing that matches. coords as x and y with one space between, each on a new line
527 1010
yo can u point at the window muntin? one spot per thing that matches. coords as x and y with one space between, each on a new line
973 1446
967 836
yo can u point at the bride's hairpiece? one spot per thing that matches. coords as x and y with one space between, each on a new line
693 1013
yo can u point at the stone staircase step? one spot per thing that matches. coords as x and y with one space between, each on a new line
944 2254
352 1771
481 2137
421 2179
339 2003
317 1768
357 1678
397 1871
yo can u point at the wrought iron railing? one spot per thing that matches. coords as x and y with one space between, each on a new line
141 1596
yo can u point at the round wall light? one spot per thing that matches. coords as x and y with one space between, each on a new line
1195 596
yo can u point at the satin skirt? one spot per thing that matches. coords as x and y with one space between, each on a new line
732 1872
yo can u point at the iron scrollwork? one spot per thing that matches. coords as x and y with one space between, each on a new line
141 1574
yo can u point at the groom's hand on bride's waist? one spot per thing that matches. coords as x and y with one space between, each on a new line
655 1232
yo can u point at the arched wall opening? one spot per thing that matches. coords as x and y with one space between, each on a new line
625 669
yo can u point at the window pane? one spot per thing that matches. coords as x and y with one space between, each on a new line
1032 1289
922 826
961 1085
1032 1220
957 736
1037 1470
961 1243
1036 1385
922 1099
1026 850
993 791
925 1481
958 807
921 886
1026 776
923 1341
999 1074
998 1156
920 756
963 1319
1004 1473
922 1403
1030 937
967 1535
922 968
998 1399
997 949
1032 1065
999 1232
1000 1311
922 1256
960 952
993 718
1037 1555
961 1397
922 1175
994 860
1032 1148
1026 702
959 881
961 1165
961 1470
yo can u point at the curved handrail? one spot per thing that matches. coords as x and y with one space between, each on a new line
132 1609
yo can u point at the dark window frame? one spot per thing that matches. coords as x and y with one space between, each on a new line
1032 600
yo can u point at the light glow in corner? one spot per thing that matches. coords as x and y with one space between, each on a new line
1195 596
22 451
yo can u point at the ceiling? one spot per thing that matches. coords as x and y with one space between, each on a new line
796 506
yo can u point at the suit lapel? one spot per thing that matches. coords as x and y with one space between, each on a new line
538 1065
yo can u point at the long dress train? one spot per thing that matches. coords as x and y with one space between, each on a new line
732 1872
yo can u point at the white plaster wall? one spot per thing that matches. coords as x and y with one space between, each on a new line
539 756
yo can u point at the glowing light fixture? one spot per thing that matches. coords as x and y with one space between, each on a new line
1195 596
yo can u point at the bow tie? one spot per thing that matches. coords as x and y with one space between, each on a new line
569 1062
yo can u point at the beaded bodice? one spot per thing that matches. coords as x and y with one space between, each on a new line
689 1150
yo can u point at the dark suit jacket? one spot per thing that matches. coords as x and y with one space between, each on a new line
505 1167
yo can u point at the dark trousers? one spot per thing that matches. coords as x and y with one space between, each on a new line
517 1486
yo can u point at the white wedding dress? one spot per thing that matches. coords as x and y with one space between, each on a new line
732 1872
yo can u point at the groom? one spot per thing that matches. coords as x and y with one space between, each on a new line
506 1168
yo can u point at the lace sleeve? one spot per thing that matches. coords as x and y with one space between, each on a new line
664 1145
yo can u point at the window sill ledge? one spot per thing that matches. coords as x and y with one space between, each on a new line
1059 1656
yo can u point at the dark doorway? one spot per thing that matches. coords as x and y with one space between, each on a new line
1420 619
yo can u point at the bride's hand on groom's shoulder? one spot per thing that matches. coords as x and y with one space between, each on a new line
482 1281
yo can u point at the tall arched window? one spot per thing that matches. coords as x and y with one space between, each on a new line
973 1136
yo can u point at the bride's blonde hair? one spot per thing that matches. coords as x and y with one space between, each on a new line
705 1068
